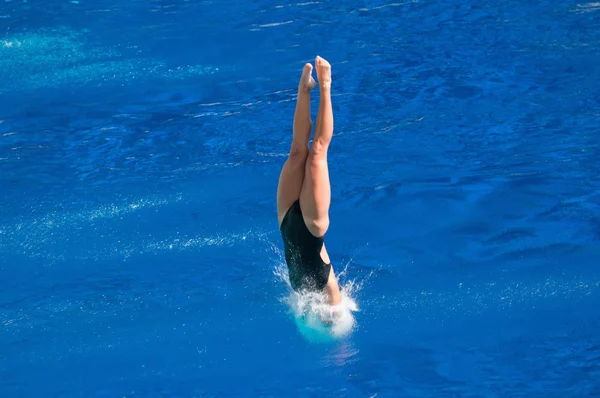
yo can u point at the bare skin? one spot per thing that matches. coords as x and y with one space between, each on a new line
305 174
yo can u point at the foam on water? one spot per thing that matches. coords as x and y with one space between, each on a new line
316 320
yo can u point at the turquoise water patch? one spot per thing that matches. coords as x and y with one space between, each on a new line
54 57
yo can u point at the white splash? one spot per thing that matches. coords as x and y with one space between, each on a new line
318 321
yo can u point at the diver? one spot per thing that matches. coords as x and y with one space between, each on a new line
304 191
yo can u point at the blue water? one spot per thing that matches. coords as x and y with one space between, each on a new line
140 146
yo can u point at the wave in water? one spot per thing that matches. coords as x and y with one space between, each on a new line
99 233
52 57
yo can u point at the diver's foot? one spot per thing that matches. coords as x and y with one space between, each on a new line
323 72
307 82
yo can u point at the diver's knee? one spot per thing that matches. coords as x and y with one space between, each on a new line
298 153
318 226
318 150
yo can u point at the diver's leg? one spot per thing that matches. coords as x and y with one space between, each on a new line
315 196
292 173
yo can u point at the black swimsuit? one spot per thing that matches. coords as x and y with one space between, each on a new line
307 270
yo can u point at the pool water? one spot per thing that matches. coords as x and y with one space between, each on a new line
140 147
